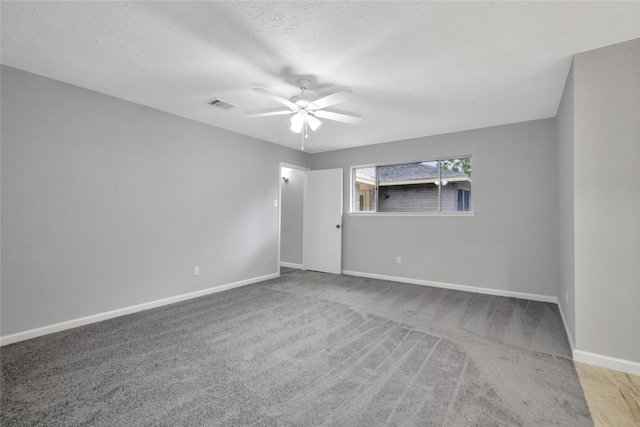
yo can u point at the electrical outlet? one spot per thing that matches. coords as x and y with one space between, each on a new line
398 260
275 203
196 270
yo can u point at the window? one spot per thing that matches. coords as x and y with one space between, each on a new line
365 190
434 186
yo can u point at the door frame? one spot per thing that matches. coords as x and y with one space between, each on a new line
290 166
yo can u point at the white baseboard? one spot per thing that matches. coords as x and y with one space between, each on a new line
607 362
57 327
464 288
566 327
290 265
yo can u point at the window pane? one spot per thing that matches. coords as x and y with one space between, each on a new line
455 190
408 187
364 191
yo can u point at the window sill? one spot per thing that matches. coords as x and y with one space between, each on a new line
470 213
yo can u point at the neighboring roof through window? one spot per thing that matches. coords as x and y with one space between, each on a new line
408 172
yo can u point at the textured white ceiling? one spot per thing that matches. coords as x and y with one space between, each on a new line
415 68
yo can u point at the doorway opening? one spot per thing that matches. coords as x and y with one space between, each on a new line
291 216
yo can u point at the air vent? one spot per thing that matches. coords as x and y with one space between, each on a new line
219 103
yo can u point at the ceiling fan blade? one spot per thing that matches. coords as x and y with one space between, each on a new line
338 117
329 100
270 113
275 97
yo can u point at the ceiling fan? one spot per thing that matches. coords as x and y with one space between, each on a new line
307 111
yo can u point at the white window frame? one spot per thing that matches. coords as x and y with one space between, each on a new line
352 200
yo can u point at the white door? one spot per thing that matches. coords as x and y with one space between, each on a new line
322 229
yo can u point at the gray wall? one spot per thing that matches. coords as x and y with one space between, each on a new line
564 134
510 244
108 204
291 217
607 200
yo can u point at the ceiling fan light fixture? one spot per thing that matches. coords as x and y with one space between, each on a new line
297 121
313 122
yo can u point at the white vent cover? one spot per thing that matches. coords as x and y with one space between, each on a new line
219 103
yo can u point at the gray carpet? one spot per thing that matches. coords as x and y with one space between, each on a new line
302 350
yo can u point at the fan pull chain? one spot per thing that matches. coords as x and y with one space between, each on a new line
305 134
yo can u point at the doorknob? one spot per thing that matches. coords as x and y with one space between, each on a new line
337 225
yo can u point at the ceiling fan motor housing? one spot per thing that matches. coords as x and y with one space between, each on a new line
300 100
